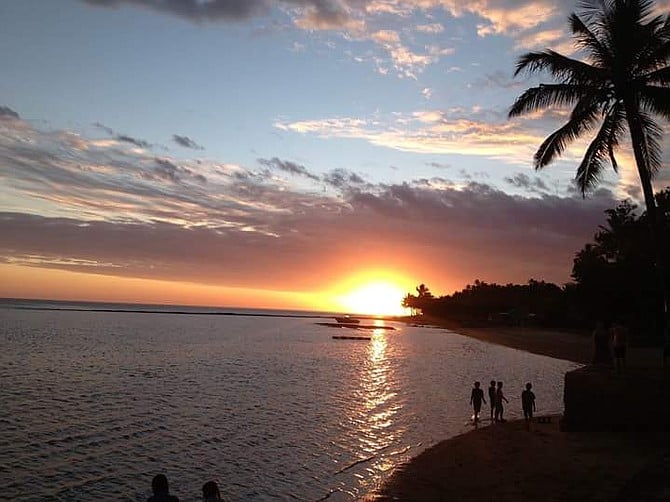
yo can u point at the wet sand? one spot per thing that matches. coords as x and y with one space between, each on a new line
508 462
514 461
576 347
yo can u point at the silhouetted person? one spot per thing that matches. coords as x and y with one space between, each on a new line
159 485
528 402
601 340
476 398
619 343
492 397
500 397
210 492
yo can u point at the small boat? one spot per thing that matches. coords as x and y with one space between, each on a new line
336 337
347 320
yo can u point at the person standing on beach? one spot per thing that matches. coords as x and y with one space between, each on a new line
528 402
159 485
619 342
500 397
601 340
492 397
476 398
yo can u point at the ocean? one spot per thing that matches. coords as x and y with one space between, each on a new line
94 403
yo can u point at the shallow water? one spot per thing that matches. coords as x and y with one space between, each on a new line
93 404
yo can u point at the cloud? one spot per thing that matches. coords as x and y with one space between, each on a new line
444 235
522 180
7 113
196 10
433 28
186 142
288 167
104 206
457 131
167 170
344 180
140 143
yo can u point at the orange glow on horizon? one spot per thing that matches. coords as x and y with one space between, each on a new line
370 292
373 293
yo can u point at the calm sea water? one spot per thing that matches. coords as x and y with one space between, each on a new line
94 404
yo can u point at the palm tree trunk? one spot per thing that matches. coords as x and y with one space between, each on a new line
637 137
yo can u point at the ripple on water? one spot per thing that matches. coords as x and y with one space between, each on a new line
95 404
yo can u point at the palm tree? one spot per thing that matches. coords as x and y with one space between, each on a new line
622 83
423 291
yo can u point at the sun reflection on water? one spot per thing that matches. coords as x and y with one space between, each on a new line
378 404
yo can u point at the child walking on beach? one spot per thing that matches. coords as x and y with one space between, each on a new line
528 402
499 403
476 398
492 397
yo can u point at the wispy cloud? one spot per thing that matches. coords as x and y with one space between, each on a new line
186 142
7 113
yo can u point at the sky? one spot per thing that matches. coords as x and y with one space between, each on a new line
307 154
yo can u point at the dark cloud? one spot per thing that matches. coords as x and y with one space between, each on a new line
169 171
186 142
343 179
141 215
196 10
445 237
288 167
103 127
522 180
8 113
438 165
319 12
133 141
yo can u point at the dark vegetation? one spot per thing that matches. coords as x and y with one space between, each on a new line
620 84
614 278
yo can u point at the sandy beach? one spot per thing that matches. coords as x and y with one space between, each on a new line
509 462
516 461
576 347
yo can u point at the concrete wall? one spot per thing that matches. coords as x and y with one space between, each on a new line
600 398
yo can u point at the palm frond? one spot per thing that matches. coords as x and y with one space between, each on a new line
599 152
658 77
656 99
548 95
587 40
562 68
651 143
581 120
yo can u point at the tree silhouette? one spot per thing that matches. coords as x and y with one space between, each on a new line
622 83
423 291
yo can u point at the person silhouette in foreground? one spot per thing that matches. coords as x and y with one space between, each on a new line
210 492
476 398
500 397
528 402
159 485
492 397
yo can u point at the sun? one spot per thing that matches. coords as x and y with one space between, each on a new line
374 298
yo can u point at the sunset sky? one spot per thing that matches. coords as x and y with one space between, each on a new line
281 153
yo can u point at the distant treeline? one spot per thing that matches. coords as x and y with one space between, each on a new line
614 278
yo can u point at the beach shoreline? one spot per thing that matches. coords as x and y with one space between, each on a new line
514 461
537 461
566 345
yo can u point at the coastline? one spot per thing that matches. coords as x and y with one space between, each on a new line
570 346
508 462
514 461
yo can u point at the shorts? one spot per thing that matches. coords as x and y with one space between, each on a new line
527 413
619 351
